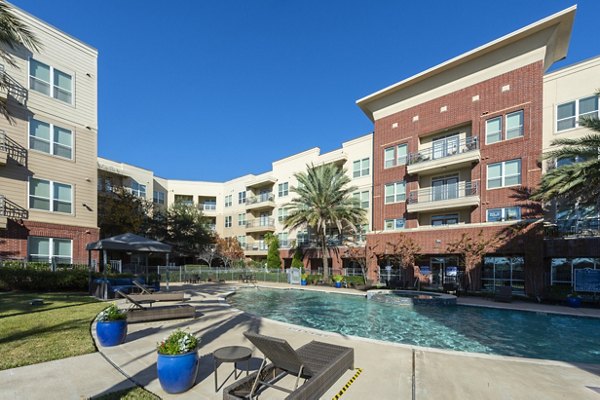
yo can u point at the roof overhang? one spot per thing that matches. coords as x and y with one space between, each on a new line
556 45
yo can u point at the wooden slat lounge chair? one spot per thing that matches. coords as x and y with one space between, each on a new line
503 294
320 364
146 295
139 313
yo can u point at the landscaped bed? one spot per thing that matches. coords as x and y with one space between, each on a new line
60 328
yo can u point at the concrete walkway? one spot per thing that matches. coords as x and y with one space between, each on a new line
389 371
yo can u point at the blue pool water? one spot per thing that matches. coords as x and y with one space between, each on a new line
461 328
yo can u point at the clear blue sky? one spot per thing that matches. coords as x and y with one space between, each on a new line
212 90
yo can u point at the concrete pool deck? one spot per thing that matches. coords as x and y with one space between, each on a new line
389 371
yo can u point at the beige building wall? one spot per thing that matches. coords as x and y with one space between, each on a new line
132 176
569 84
77 59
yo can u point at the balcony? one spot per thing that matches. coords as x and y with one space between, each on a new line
575 227
209 208
256 249
12 88
445 154
260 225
444 197
8 209
261 181
11 149
260 202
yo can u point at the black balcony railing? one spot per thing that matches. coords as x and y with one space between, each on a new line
589 226
444 148
261 222
12 210
444 192
13 149
261 198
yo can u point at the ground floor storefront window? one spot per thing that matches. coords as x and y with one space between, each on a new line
503 271
562 270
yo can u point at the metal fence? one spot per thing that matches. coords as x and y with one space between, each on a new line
197 273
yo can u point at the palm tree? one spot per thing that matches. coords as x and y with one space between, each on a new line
13 34
324 201
577 183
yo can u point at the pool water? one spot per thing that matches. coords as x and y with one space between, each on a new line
461 328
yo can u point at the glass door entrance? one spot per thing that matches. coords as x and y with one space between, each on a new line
444 188
444 270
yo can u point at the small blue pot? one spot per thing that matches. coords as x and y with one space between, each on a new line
338 285
177 373
111 333
303 282
574 302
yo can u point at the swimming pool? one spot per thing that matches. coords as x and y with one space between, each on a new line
461 328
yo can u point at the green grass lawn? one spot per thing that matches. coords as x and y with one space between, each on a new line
129 394
32 334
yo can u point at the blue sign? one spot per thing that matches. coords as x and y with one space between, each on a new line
425 270
451 271
587 280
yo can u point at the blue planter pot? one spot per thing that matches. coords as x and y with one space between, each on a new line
111 333
338 284
574 302
156 286
303 282
177 373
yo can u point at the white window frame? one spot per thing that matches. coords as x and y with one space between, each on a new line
53 88
396 160
51 254
158 197
396 224
503 176
359 169
577 115
51 199
242 241
503 132
228 221
282 214
283 189
360 197
398 195
242 219
503 213
228 200
51 141
137 189
242 197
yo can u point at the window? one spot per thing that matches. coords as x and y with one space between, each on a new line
569 114
50 196
562 270
362 199
50 81
184 199
228 200
242 219
282 214
158 197
137 189
360 168
502 271
302 238
506 173
242 198
394 224
242 241
283 240
395 192
494 130
396 155
42 249
503 214
450 219
283 189
50 139
209 205
228 221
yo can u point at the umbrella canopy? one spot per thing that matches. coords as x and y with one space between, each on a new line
130 242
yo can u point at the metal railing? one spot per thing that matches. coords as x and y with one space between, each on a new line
258 246
13 87
12 210
209 206
12 148
195 273
261 222
444 148
261 198
589 226
444 192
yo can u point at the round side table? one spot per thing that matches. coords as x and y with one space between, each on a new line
231 354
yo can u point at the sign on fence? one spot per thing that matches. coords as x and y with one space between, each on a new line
587 280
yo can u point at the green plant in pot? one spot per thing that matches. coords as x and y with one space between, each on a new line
303 279
177 364
338 279
111 326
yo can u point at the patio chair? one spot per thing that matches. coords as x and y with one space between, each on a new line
503 294
319 364
147 296
140 313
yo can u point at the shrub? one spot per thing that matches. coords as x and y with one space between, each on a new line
112 313
354 280
27 279
178 342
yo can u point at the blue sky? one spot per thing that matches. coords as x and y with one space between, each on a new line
212 90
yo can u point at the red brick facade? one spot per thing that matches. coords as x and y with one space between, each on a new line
524 93
13 240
